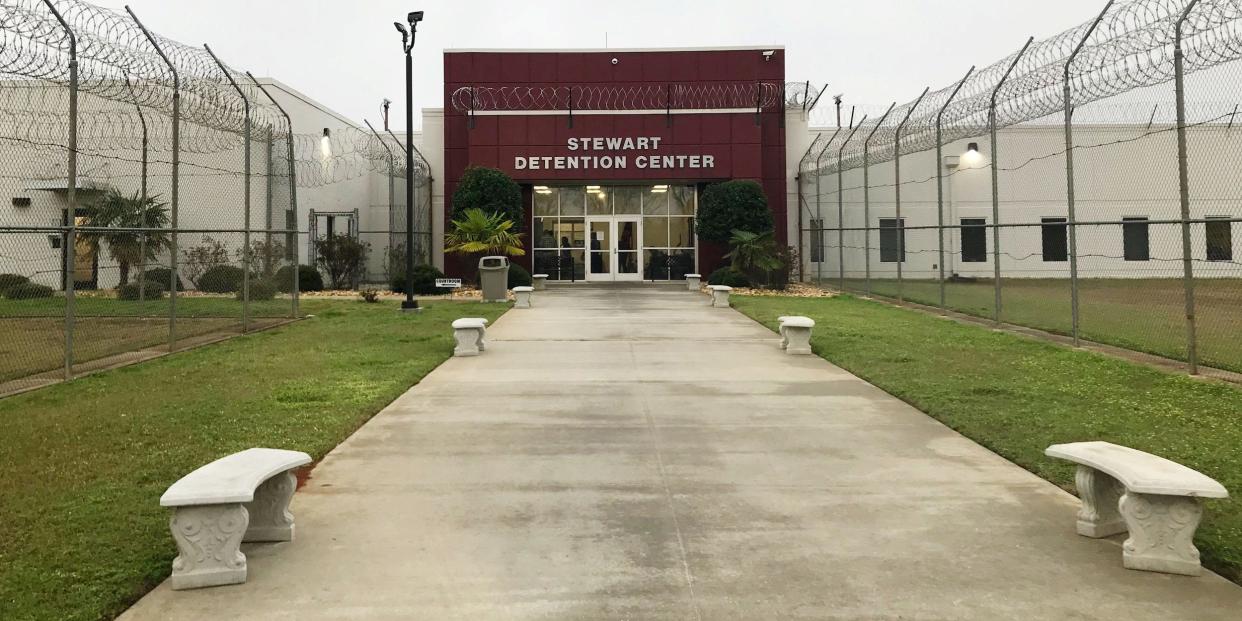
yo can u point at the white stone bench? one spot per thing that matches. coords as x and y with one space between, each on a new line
540 281
523 295
796 334
720 296
1156 500
694 281
471 336
242 497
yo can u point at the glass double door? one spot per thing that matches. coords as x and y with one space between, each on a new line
613 249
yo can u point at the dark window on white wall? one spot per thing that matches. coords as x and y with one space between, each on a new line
1219 238
892 240
817 241
974 240
1055 242
1134 235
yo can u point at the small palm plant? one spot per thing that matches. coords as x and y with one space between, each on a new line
754 251
481 232
129 212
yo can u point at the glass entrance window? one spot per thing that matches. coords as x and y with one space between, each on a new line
558 233
611 232
601 247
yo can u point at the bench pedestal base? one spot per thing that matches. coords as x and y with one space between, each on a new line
1162 530
270 519
1099 516
469 341
209 546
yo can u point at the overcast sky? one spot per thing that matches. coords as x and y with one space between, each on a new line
347 55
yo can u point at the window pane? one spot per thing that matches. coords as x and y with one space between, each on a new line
545 233
817 241
681 232
545 203
1219 240
681 200
597 202
655 201
656 265
974 240
571 233
680 263
655 232
892 240
1135 240
1055 246
573 201
547 262
626 200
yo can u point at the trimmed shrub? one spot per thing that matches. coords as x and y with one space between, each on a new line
370 295
28 291
491 191
518 276
309 279
8 281
161 275
221 279
732 205
260 290
424 281
129 291
728 277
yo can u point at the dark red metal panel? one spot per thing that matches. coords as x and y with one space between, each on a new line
737 147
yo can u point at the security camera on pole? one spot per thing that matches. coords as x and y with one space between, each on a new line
407 43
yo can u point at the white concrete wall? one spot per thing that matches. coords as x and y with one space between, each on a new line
1120 171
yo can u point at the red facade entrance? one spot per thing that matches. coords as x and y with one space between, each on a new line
685 117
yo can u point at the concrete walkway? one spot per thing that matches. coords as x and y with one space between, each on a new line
633 454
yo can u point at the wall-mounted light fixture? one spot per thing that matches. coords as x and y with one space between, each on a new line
325 144
767 55
972 147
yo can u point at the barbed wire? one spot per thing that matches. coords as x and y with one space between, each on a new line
1131 48
127 91
676 96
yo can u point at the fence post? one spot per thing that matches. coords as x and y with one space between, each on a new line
867 194
1071 213
290 223
940 182
819 215
841 199
247 254
392 160
142 236
996 245
901 226
174 194
267 201
69 270
1183 179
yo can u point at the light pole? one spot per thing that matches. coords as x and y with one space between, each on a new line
407 43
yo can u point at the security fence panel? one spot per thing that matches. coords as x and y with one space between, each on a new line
153 194
1084 185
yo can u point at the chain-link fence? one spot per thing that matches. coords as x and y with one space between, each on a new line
1112 219
153 194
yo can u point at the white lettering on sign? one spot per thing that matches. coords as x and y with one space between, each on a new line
644 144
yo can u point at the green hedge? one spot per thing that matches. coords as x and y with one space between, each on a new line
730 206
28 291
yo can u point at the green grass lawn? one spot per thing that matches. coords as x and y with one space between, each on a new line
82 464
1017 396
1147 315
